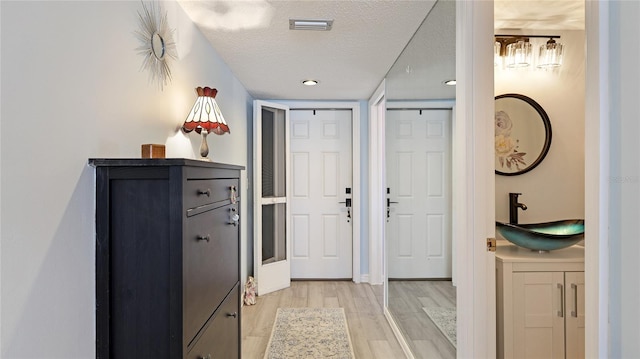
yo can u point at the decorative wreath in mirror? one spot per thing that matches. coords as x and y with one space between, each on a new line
156 43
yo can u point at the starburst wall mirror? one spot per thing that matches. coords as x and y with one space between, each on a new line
156 43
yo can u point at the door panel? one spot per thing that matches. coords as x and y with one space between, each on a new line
538 310
321 172
272 267
418 161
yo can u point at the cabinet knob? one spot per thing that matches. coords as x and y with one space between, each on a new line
234 219
206 192
204 238
234 314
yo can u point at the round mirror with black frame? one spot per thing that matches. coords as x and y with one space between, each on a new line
522 134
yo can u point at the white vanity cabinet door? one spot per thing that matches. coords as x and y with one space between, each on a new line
538 314
574 289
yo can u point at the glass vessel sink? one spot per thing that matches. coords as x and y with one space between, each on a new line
543 236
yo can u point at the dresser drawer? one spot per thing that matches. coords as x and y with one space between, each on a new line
200 192
221 336
211 269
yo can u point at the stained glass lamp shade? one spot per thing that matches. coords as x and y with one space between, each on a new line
205 117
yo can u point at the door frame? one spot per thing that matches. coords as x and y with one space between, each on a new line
596 199
356 195
475 214
377 195
597 129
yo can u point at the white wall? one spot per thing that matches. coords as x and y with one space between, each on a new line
555 188
71 90
624 207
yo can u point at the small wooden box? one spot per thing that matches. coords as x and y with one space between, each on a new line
152 151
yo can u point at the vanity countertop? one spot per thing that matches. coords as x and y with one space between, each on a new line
508 252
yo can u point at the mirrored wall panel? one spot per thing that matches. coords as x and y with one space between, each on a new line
419 121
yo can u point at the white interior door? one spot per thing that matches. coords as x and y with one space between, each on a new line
272 252
321 168
418 161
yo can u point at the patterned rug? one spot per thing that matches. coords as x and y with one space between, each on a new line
445 320
310 333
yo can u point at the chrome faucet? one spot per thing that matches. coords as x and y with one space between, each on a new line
513 207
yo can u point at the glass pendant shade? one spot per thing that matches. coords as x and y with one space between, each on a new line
497 59
550 55
518 54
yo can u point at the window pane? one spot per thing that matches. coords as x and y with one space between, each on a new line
273 233
273 153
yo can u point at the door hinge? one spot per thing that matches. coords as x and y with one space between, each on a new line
491 244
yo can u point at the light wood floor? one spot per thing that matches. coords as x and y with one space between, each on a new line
371 335
406 300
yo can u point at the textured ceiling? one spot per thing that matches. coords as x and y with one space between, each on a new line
350 61
539 14
428 60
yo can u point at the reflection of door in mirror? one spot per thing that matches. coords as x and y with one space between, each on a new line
421 296
418 157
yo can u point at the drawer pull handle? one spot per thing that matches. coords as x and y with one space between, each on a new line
574 312
208 356
204 238
234 197
234 314
561 311
207 192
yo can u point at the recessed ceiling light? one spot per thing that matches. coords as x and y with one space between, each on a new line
450 82
310 24
310 82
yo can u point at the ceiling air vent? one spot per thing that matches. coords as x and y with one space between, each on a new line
310 24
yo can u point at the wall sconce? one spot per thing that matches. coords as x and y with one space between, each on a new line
516 51
205 117
550 54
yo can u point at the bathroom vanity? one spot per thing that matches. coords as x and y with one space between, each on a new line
540 302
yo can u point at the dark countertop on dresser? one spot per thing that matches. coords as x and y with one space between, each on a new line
150 162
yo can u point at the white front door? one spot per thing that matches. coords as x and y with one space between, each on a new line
272 252
321 168
418 161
